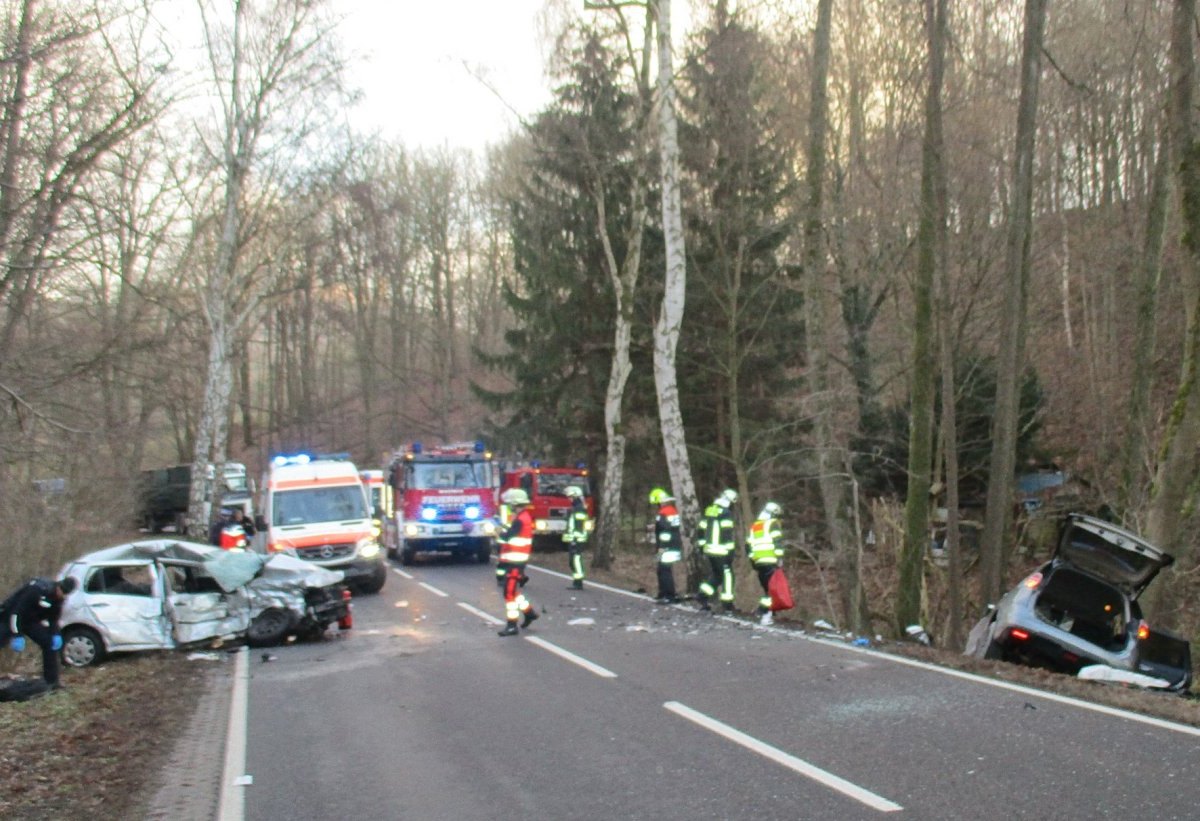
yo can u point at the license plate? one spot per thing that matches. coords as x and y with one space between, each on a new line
450 529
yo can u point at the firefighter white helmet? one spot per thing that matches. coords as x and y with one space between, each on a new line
573 492
729 495
515 496
769 509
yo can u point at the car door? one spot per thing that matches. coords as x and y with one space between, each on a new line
123 600
197 607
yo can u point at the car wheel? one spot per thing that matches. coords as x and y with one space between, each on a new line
995 650
406 556
268 628
82 647
484 555
375 582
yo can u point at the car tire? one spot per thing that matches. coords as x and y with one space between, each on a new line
406 556
995 650
82 647
483 555
374 583
268 628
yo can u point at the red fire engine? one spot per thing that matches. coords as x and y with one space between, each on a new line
445 502
547 489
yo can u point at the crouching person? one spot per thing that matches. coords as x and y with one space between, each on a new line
33 610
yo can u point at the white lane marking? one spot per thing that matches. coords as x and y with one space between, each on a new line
571 657
590 583
400 572
232 806
830 780
933 668
1018 688
476 611
433 589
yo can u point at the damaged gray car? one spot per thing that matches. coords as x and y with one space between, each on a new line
164 594
1080 609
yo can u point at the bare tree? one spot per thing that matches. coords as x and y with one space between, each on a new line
263 56
670 318
1016 270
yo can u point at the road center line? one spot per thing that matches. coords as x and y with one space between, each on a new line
433 589
571 657
476 611
780 757
232 806
400 572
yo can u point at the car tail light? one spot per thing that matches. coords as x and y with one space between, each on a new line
1033 580
1143 631
1019 634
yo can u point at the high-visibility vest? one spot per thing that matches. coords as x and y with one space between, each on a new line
578 524
717 531
761 545
517 542
666 534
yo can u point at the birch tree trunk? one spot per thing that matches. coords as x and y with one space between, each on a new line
624 276
670 318
266 52
1009 361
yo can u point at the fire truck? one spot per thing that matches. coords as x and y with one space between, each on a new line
547 489
445 502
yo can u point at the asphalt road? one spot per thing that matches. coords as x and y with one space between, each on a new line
614 707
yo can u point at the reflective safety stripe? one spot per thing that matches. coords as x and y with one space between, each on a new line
520 541
765 602
670 556
770 558
718 550
514 558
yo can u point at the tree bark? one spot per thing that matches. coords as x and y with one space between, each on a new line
670 317
997 518
931 250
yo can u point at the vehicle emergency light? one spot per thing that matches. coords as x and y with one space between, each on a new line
416 447
1143 631
471 512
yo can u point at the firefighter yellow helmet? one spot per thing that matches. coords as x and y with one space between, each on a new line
515 496
658 496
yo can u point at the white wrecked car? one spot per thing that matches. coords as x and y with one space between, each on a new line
161 594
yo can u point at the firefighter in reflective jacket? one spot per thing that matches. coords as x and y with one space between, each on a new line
667 542
717 541
579 525
766 554
516 543
505 517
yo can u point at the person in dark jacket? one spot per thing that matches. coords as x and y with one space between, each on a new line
579 526
33 610
668 544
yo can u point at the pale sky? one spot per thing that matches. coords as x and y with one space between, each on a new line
416 89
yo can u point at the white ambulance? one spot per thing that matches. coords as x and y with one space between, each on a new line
315 508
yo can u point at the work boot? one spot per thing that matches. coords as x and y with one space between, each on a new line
767 619
727 607
704 608
577 584
530 615
510 629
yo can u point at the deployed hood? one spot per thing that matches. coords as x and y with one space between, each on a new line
1111 553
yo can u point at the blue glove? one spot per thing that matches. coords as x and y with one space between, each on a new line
17 643
56 643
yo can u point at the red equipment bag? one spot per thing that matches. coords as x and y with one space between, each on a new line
780 593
